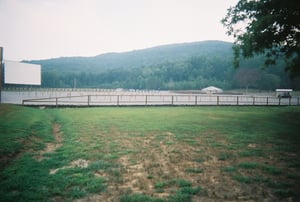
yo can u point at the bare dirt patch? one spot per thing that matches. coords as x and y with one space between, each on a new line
80 163
51 147
159 157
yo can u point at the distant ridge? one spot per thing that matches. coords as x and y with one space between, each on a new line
138 58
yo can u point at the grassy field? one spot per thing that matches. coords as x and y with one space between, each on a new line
150 154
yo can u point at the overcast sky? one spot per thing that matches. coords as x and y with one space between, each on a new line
40 29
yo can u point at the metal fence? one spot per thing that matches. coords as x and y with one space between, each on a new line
160 99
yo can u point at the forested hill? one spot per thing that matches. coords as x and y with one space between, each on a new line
137 58
177 66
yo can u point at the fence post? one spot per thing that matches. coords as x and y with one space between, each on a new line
290 101
146 100
88 100
253 100
298 100
56 101
218 100
279 100
196 100
267 101
118 100
172 99
237 100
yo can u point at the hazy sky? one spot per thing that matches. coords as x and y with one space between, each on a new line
39 29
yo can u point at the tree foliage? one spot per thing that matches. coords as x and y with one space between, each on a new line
267 27
247 77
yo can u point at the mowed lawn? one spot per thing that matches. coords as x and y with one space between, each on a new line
150 154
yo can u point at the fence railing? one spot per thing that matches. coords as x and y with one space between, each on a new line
148 100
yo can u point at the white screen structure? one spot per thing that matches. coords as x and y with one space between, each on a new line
22 73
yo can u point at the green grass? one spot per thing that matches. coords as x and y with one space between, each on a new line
139 198
243 179
19 124
267 168
252 153
184 192
172 149
248 165
194 170
225 156
229 169
272 170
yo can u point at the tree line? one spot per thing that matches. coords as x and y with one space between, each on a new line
193 73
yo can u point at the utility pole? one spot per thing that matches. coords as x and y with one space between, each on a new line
1 70
74 83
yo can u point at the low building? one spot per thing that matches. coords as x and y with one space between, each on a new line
211 90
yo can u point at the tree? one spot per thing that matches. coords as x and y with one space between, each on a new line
269 81
267 27
247 77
